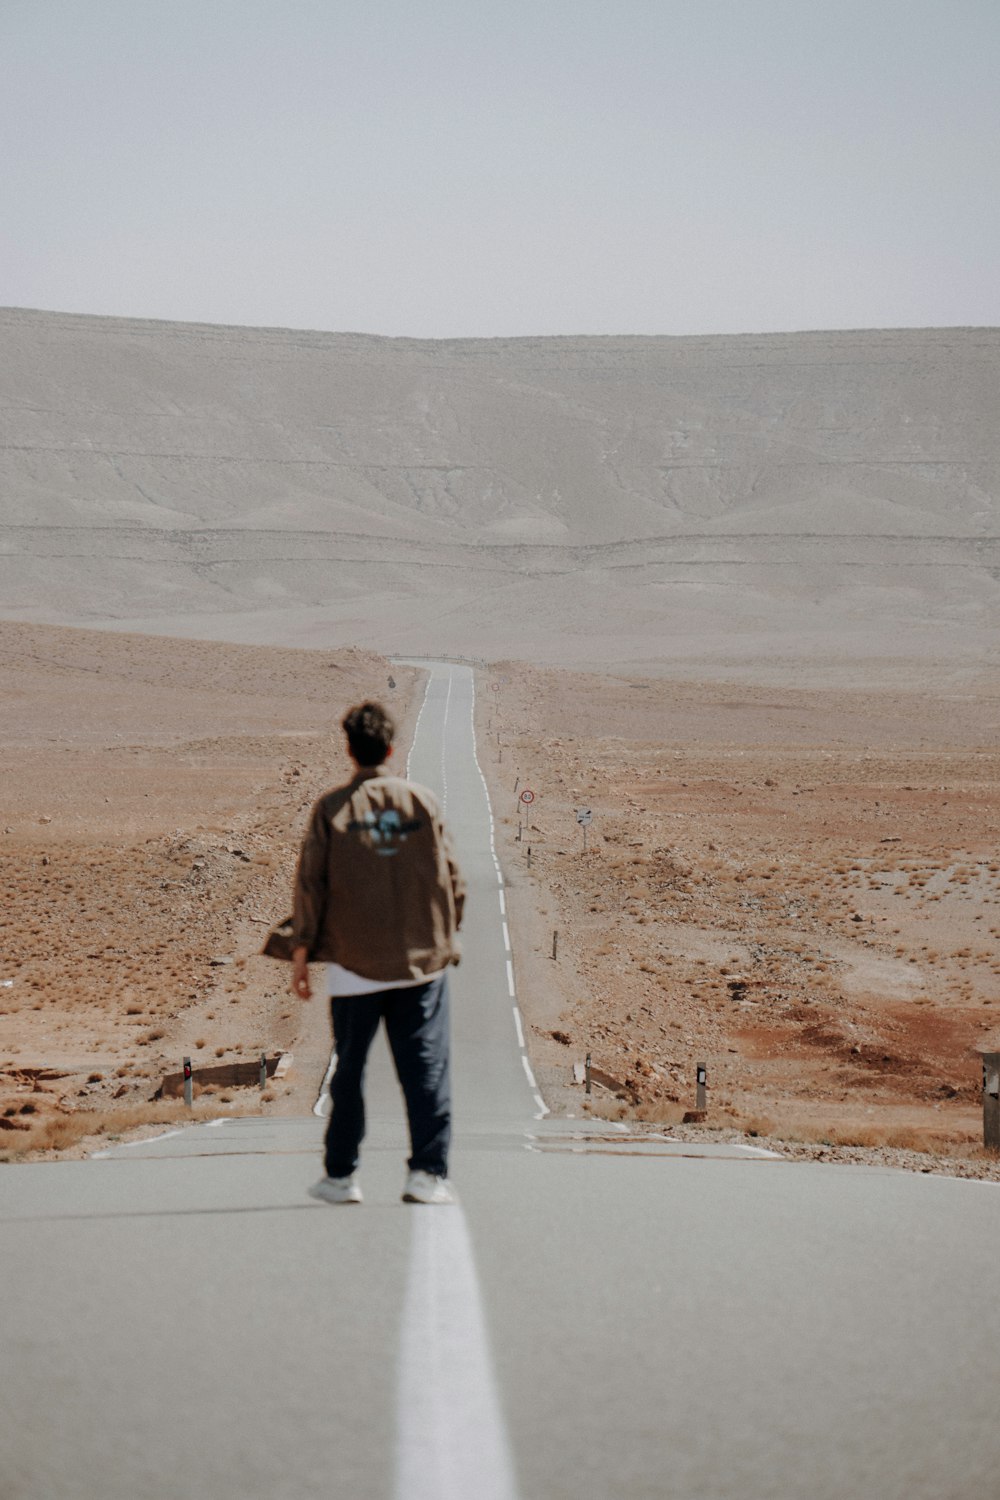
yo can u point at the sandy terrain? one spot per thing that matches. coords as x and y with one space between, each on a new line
801 890
153 796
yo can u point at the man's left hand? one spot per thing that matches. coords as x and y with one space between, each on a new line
300 974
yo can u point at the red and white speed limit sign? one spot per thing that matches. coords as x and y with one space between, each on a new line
527 795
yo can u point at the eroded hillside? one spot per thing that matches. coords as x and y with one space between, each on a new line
679 502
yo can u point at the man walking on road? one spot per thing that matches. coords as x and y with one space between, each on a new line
378 898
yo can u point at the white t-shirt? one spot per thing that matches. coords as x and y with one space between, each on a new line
341 981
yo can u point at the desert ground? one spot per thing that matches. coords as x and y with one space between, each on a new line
799 889
154 792
736 596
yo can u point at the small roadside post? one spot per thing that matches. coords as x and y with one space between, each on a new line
188 1083
991 1100
263 1071
525 800
587 1074
697 1115
584 817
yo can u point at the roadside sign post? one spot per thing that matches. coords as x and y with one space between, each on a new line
991 1100
526 798
584 817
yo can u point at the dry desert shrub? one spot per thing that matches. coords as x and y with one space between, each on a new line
895 1137
61 1132
659 1112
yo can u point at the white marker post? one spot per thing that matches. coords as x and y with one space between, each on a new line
188 1083
584 817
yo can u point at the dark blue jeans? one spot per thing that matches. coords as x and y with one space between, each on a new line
416 1024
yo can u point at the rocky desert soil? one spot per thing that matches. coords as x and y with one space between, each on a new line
799 889
154 793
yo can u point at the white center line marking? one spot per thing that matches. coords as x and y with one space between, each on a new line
510 978
519 1028
452 1444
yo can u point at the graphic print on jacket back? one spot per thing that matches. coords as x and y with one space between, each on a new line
386 830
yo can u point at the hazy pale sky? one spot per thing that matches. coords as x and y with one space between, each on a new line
444 168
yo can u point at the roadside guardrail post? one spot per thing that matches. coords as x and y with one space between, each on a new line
188 1083
991 1100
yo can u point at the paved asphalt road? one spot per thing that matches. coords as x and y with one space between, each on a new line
599 1319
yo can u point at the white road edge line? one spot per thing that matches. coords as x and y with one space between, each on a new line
444 744
323 1103
543 1108
146 1141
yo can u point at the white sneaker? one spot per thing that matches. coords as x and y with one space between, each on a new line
337 1189
424 1187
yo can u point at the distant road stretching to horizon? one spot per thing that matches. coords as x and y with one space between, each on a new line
603 1317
